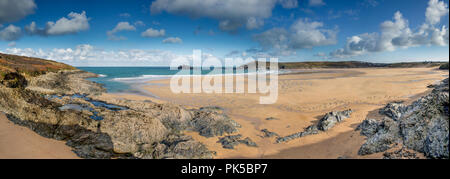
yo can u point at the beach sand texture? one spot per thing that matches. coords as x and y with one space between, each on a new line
303 99
17 142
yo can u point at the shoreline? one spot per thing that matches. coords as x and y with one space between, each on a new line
257 123
296 115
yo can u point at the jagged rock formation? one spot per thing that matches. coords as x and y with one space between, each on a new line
422 126
229 142
332 118
403 153
62 105
268 134
326 123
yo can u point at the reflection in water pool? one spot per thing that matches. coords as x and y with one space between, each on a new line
81 107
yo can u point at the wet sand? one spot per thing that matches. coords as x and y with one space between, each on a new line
17 142
303 99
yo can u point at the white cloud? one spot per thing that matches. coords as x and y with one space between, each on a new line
121 26
14 10
397 34
172 40
231 14
153 33
88 55
316 3
436 9
303 34
10 33
76 22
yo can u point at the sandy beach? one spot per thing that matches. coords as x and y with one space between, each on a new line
303 99
17 142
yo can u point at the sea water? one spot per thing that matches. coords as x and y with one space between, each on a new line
128 79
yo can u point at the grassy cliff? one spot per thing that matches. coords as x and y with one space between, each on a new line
352 64
29 66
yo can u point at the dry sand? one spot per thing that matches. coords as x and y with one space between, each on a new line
303 99
17 142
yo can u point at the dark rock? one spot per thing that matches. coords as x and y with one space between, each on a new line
268 134
271 118
14 80
393 110
444 66
326 123
386 136
422 126
128 129
400 154
332 118
229 142
368 127
213 122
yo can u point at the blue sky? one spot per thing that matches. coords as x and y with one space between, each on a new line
292 30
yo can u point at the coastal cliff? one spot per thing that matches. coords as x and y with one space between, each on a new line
61 104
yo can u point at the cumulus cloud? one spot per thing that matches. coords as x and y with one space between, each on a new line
88 55
153 33
316 3
13 10
397 34
172 40
231 14
10 33
121 26
303 34
76 22
436 9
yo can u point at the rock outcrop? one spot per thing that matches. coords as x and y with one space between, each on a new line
332 118
422 126
268 134
64 106
229 142
328 121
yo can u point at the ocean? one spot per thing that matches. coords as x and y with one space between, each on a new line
128 79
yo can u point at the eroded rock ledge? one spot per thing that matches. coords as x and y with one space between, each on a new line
61 105
422 126
328 121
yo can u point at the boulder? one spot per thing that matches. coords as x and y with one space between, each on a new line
332 118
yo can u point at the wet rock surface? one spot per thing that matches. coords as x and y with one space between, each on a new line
422 126
68 109
229 142
327 122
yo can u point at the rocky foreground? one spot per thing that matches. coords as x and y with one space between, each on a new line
64 106
422 126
